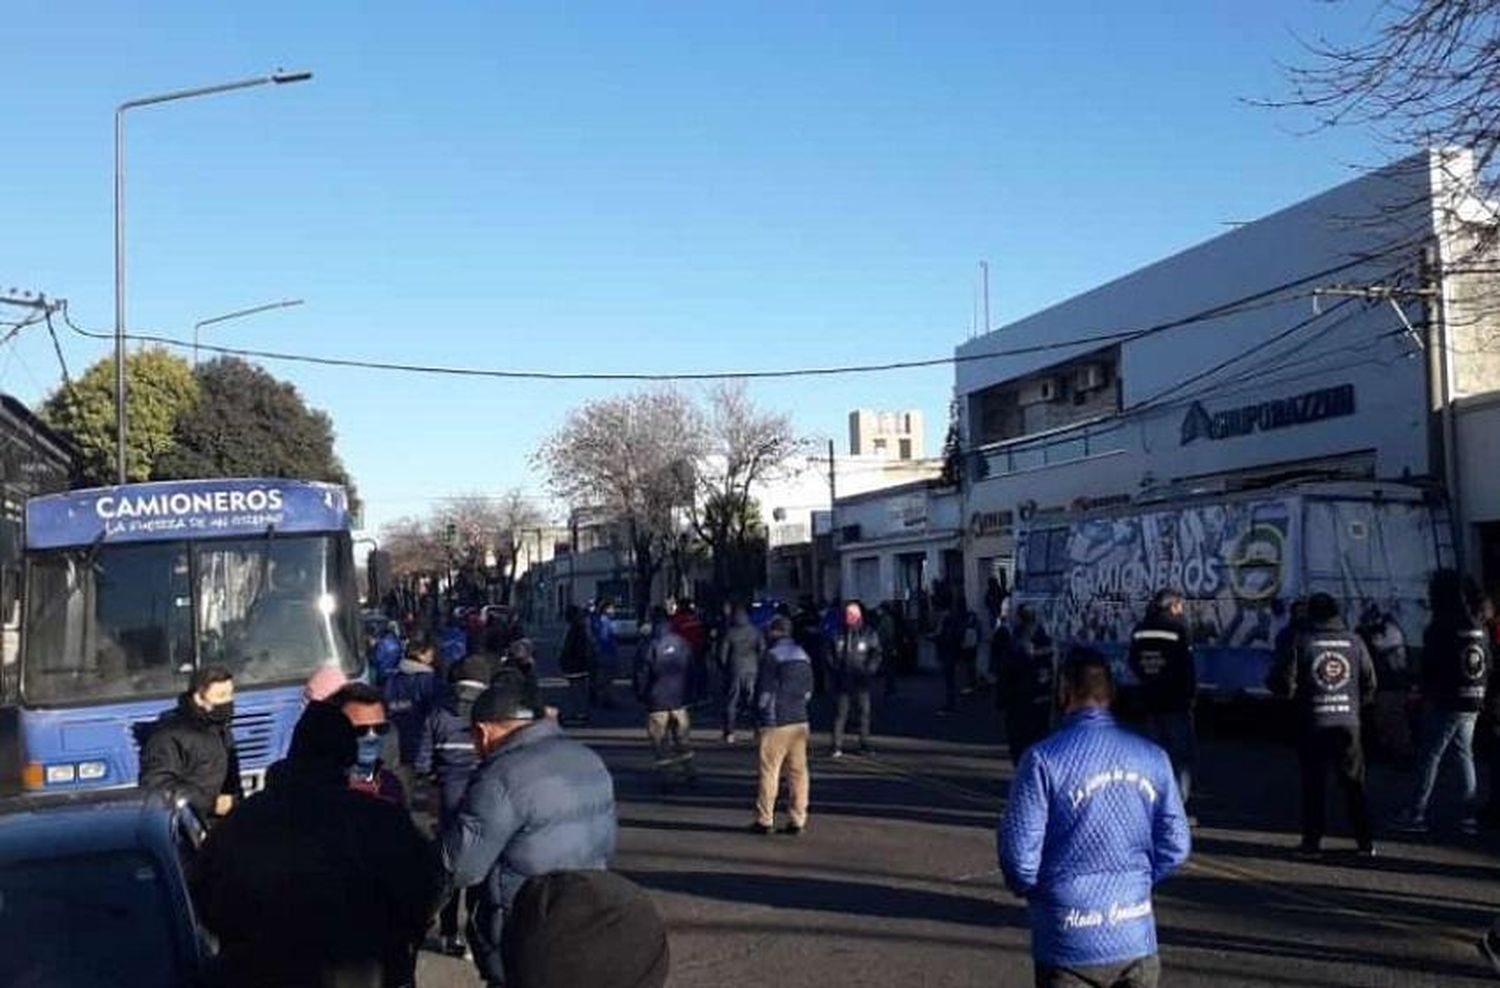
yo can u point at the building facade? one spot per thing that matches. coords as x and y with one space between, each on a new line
1344 338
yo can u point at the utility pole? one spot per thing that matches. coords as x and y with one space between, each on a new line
984 280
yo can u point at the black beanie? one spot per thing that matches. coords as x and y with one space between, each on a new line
584 929
323 736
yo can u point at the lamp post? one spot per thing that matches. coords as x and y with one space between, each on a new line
238 314
275 78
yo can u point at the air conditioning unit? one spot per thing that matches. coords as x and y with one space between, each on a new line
1090 377
1039 391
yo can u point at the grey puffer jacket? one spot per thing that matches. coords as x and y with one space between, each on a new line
541 803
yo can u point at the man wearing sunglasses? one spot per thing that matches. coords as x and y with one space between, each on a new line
378 749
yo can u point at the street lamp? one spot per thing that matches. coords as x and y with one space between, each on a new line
276 78
238 314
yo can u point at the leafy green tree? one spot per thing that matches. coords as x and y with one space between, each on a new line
248 423
158 386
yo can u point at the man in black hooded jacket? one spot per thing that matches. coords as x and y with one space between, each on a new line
190 753
313 884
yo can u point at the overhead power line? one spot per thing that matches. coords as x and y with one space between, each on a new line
1276 295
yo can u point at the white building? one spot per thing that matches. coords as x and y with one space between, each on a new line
1326 341
894 435
792 501
897 541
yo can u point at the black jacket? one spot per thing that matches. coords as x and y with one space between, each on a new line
1028 680
577 656
1162 661
188 755
310 883
1456 664
1329 675
856 658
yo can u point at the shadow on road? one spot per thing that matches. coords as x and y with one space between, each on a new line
828 895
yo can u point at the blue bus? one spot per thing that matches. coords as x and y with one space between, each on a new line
129 589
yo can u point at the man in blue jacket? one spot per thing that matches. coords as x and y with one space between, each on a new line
539 802
663 681
386 653
783 686
1094 822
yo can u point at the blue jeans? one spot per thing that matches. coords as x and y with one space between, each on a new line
1178 735
1442 730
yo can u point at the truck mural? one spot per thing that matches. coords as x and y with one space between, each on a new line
1238 561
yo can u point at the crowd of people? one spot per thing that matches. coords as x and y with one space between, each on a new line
325 878
328 862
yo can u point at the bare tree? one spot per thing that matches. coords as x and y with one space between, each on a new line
1429 77
633 457
745 446
414 546
518 515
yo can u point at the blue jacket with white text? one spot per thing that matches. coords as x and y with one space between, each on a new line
1094 821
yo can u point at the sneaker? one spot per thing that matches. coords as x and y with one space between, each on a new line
730 739
760 828
455 946
1489 949
1367 852
837 753
1469 826
1308 852
792 830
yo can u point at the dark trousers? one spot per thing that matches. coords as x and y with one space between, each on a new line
859 696
1336 749
1025 725
739 692
1143 972
579 696
448 925
948 659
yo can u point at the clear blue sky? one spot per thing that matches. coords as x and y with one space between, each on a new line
608 186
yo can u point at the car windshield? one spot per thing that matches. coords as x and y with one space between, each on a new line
116 903
129 621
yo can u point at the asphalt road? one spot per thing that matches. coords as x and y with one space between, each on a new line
894 882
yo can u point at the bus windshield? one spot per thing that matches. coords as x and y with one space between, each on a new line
118 622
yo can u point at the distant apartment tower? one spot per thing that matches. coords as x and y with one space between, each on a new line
893 435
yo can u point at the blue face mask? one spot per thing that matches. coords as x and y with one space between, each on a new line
368 754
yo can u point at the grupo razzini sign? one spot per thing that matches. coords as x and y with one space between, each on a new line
1278 413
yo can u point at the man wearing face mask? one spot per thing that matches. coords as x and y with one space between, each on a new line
378 748
539 802
190 752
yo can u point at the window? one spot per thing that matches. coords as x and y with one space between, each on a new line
905 448
272 609
108 623
118 622
867 579
879 445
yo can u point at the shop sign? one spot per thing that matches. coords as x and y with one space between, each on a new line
1279 413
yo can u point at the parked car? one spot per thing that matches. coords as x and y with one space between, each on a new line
93 891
